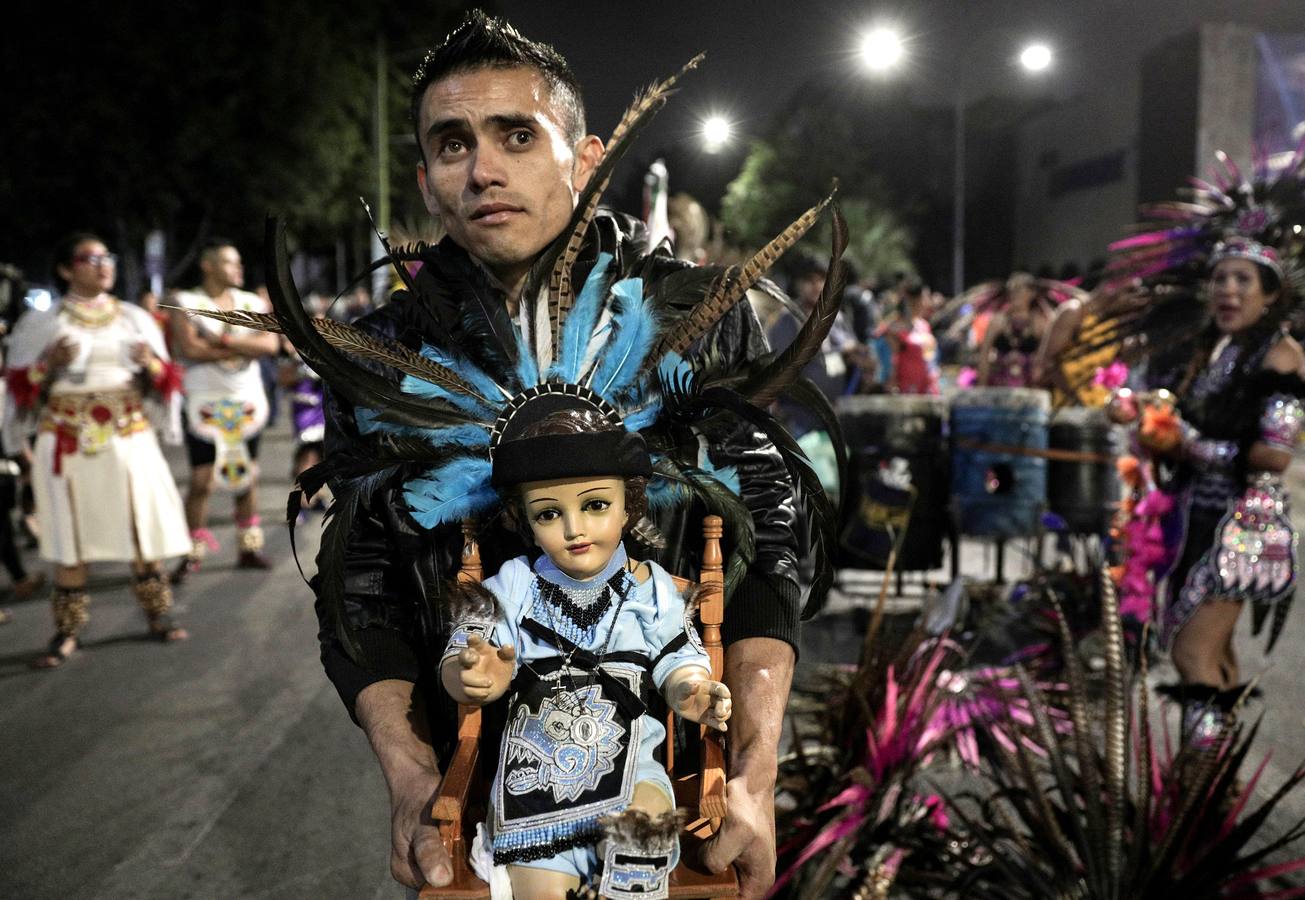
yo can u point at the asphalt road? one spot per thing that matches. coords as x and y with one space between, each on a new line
225 766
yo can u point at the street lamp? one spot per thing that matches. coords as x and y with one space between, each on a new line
716 132
1036 57
881 49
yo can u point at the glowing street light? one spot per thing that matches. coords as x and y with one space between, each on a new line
1036 57
881 49
716 133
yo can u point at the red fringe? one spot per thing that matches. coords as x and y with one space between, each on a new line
168 381
21 387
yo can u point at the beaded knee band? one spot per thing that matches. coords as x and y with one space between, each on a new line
70 610
153 593
250 539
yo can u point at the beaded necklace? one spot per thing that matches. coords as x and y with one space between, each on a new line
90 312
588 600
582 604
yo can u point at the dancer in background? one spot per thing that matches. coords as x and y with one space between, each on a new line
226 404
84 371
1225 273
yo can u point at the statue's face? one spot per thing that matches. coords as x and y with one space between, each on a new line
578 523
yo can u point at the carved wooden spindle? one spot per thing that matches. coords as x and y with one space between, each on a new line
711 612
460 776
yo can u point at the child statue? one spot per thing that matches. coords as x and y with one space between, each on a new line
580 641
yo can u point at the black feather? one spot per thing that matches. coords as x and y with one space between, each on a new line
770 382
357 384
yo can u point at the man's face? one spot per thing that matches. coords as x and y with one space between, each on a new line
809 287
222 268
499 172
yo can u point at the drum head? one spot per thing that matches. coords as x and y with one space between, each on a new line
892 405
1003 398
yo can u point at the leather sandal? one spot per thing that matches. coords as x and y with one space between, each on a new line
163 629
61 647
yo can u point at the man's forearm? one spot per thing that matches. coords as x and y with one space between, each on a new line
759 672
396 728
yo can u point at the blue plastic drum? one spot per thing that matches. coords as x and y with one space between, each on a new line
997 490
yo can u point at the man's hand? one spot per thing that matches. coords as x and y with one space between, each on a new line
759 671
62 353
417 855
482 674
396 728
702 700
746 838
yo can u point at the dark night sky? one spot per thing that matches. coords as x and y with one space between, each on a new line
756 52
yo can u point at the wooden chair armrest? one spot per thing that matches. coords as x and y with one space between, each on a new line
711 788
456 786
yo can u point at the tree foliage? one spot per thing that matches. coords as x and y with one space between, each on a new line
198 119
830 130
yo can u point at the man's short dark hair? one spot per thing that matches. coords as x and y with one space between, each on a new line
484 42
214 244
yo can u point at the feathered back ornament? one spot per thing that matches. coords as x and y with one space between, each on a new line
992 297
628 335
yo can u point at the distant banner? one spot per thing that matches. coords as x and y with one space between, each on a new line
1280 93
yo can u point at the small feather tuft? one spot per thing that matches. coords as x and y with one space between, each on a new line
451 492
633 329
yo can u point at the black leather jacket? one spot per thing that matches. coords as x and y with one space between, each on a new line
395 569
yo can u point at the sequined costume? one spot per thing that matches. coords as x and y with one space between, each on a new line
1238 540
591 657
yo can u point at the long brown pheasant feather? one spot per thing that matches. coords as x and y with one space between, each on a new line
237 317
1116 725
561 292
720 299
350 340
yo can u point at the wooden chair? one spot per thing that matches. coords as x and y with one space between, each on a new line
463 792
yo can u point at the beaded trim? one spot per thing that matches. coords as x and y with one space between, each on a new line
1280 424
582 604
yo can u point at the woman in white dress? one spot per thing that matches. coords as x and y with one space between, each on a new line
84 373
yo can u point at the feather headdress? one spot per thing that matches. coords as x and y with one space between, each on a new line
630 335
1169 253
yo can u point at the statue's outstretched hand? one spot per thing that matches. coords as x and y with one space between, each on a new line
484 672
703 700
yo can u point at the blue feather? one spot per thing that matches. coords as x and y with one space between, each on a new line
418 387
370 422
641 418
450 493
662 493
579 325
468 435
727 475
471 373
633 330
672 369
468 371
